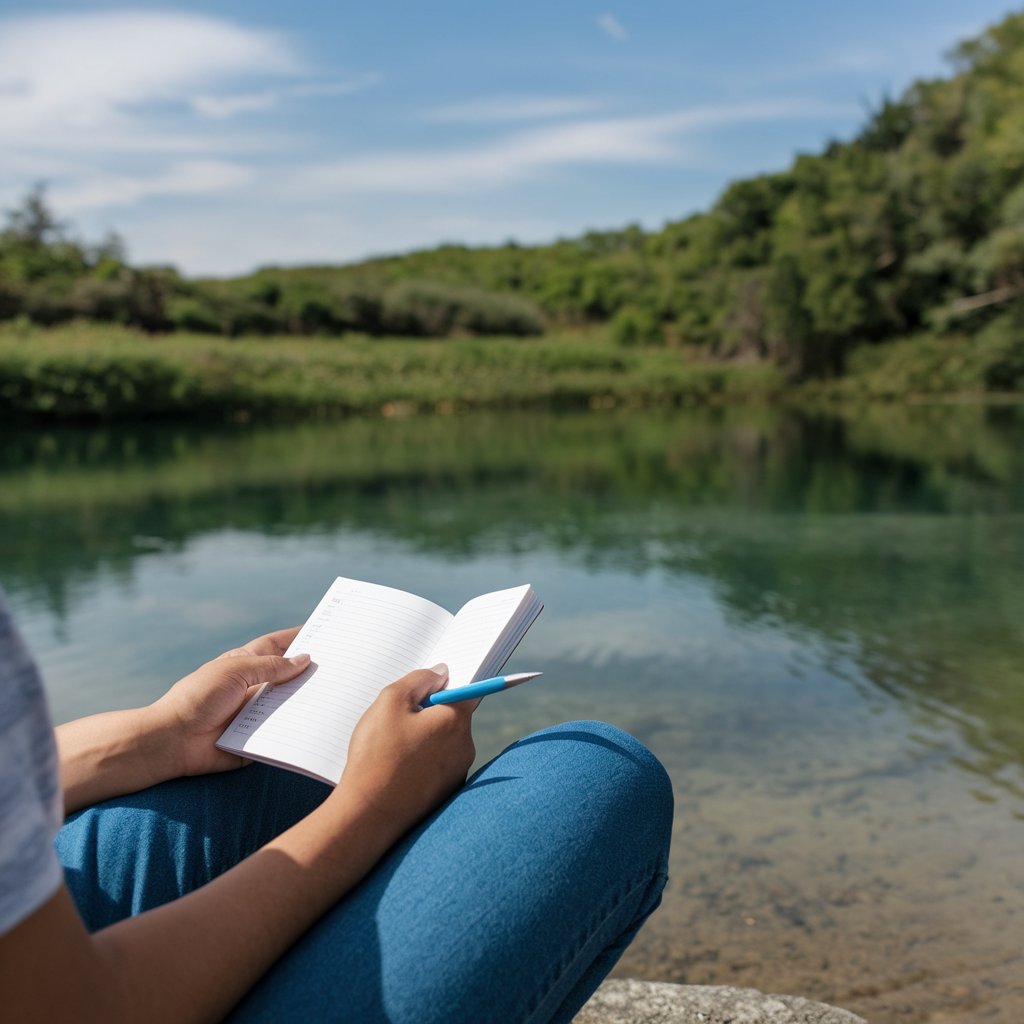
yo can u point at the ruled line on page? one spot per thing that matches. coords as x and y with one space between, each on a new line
360 638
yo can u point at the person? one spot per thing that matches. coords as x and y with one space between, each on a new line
180 888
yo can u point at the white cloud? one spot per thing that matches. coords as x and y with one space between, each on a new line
240 103
612 27
84 77
499 109
885 64
633 140
115 108
184 178
228 105
482 167
108 106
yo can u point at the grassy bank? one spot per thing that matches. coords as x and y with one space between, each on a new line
989 363
91 372
106 373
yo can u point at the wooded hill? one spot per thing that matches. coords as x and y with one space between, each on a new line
915 226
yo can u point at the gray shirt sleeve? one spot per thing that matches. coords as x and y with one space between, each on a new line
30 798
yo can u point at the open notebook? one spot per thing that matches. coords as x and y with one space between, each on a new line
361 637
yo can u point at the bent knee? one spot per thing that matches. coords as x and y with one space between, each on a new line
619 778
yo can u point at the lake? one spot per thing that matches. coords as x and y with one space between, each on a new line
816 621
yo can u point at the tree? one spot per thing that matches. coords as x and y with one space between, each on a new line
33 222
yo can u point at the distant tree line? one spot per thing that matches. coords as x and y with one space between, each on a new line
914 226
50 278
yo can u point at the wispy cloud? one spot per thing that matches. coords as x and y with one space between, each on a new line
72 76
504 109
487 166
115 107
612 27
183 178
635 140
228 104
118 107
892 60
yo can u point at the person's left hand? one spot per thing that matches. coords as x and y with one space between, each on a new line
196 710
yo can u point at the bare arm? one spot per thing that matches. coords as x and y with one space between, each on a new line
124 751
193 959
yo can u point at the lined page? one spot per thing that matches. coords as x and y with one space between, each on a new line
474 633
360 637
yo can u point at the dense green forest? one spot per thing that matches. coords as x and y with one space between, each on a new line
913 229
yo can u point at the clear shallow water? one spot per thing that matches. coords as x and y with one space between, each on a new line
816 623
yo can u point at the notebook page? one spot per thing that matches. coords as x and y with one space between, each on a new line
360 637
474 632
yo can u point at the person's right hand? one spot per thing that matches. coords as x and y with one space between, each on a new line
405 760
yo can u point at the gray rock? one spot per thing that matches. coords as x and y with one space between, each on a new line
625 1001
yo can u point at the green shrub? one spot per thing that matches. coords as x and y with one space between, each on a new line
428 309
220 308
46 300
131 297
12 298
1002 344
634 325
192 313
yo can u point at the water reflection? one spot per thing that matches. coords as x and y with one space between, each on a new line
814 621
895 534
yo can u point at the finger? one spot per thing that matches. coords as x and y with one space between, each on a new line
270 643
463 708
457 715
268 668
413 689
273 643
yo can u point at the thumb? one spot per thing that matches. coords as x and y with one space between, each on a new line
254 669
413 689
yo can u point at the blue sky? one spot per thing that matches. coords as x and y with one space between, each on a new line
223 136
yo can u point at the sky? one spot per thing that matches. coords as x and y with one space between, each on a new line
222 136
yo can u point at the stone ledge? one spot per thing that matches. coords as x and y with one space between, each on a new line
626 1001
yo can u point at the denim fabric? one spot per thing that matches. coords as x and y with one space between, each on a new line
509 904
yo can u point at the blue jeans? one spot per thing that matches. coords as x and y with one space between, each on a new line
509 904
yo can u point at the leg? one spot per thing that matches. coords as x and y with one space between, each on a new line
510 904
132 853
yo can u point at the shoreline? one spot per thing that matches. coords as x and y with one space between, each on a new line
97 374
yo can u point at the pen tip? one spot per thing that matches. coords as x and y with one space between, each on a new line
521 677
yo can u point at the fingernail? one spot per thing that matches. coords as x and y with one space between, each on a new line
440 669
299 659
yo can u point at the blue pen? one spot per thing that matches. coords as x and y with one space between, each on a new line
480 689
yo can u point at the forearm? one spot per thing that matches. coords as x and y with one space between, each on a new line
114 753
194 958
125 751
207 950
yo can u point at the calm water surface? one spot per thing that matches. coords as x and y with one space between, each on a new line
817 623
